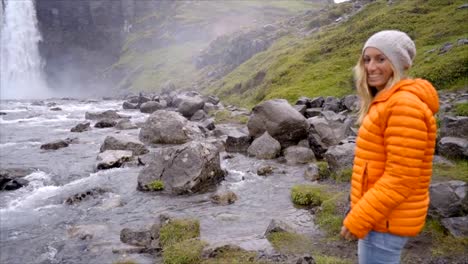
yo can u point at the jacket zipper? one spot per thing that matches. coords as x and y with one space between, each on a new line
364 180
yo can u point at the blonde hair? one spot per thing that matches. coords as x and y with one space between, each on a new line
367 93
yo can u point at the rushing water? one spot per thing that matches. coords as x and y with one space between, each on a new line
36 226
21 66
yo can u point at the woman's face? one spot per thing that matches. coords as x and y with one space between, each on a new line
378 68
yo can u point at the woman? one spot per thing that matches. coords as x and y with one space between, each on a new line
394 150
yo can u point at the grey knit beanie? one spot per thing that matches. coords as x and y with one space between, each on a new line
397 46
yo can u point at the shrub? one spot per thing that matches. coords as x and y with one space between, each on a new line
178 230
156 185
184 252
308 195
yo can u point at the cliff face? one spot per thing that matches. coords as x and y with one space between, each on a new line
81 38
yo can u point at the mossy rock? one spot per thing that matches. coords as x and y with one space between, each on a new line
188 251
290 243
178 230
308 195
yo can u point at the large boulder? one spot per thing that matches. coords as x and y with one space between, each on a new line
123 142
150 107
298 155
453 147
167 127
280 120
340 157
190 168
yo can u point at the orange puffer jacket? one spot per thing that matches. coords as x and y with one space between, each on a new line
393 163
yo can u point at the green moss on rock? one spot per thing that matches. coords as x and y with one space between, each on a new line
188 251
308 195
179 230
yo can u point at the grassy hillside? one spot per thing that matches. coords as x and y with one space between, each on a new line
322 64
172 40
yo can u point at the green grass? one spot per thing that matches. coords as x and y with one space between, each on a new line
443 244
322 64
156 185
185 252
233 256
342 175
179 230
308 195
461 109
323 259
457 172
330 217
225 116
290 243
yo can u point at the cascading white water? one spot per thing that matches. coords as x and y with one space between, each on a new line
21 66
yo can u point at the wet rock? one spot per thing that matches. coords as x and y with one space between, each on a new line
2 113
87 232
51 104
265 170
298 155
237 141
150 107
82 196
141 238
189 105
123 142
311 173
109 114
55 109
81 127
105 123
167 127
125 124
224 197
278 226
128 105
264 147
12 179
113 159
55 145
280 120
190 168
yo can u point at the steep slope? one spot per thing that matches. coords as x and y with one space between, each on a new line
322 63
162 45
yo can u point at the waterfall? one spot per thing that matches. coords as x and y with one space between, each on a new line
21 66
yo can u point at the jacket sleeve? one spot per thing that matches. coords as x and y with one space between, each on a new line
405 139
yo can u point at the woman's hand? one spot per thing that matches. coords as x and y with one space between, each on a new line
347 234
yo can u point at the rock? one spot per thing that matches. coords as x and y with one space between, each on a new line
305 259
190 168
55 145
332 104
150 107
12 179
351 102
442 161
280 120
311 173
81 127
87 232
214 100
317 102
207 124
301 109
122 142
2 113
109 114
113 159
264 147
340 157
189 105
454 126
55 109
305 101
445 48
199 115
457 226
311 112
298 155
105 123
167 127
209 107
265 170
88 194
448 199
278 226
141 238
128 105
224 198
453 147
125 124
462 41
237 141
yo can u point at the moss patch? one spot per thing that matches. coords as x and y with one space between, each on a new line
457 172
323 259
178 230
233 256
461 109
226 116
331 215
324 172
184 252
156 185
308 195
290 243
342 175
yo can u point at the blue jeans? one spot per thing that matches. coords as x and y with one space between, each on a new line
380 248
